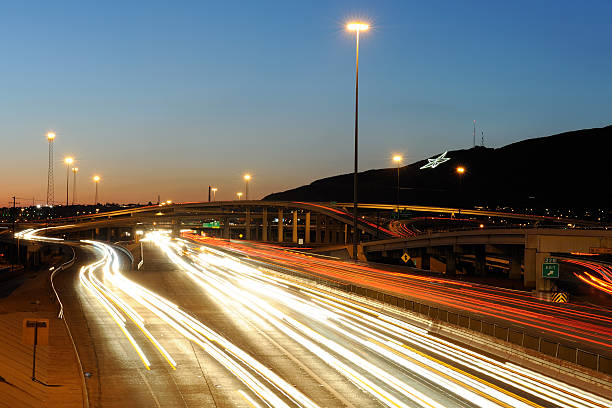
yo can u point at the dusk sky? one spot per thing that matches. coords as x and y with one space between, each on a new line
169 97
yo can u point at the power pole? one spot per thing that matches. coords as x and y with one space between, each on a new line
209 188
474 142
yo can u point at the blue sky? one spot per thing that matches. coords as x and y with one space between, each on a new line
169 97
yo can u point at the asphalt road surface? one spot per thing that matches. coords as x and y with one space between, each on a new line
197 326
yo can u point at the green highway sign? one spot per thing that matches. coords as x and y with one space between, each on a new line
550 270
214 224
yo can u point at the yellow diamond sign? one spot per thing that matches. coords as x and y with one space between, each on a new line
405 257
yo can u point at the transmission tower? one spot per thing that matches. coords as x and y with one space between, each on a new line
50 179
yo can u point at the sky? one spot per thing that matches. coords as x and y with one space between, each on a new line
168 97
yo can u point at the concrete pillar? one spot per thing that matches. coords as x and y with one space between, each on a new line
280 225
307 232
109 234
529 276
264 224
451 262
318 227
515 265
247 224
135 236
345 234
327 230
425 263
480 261
226 228
294 232
176 228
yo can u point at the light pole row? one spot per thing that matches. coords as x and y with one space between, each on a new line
69 161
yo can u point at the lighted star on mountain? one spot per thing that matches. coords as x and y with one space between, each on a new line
433 163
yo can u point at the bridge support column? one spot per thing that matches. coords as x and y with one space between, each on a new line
307 232
451 262
247 224
529 277
318 227
327 230
425 264
345 234
109 234
264 224
176 229
294 232
280 225
480 261
515 265
226 228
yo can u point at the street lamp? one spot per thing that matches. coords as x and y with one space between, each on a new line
398 159
357 27
214 191
74 171
247 177
239 195
96 180
68 161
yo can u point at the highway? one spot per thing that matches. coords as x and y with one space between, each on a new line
588 326
198 326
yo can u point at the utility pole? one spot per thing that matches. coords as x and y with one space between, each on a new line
474 142
209 188
13 231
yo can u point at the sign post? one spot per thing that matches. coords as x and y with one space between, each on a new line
35 332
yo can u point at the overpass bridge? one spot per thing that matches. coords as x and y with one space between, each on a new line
327 227
521 251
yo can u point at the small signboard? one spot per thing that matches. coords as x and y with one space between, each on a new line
405 257
35 332
550 270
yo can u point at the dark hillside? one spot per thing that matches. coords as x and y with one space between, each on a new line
568 170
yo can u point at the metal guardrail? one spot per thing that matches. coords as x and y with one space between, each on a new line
66 265
549 347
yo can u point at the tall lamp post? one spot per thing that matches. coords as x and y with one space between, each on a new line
214 191
247 177
50 178
357 27
68 161
96 180
460 172
398 159
74 171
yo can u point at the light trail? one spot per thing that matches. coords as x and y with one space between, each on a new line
396 363
105 282
584 324
367 346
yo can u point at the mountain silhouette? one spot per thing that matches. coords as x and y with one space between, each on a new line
567 170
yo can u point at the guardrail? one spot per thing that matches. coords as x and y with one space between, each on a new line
66 265
544 345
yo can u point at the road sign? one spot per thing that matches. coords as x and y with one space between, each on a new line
550 270
550 260
35 332
214 224
405 257
560 297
